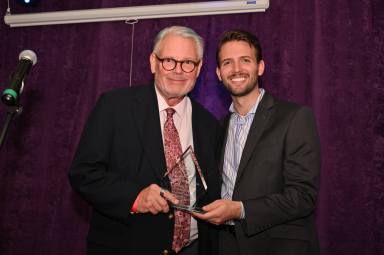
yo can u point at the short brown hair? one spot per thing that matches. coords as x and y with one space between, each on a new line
239 35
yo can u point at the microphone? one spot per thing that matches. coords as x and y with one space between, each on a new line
10 96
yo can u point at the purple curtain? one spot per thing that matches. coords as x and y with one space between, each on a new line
327 54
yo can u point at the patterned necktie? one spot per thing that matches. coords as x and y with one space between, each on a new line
179 181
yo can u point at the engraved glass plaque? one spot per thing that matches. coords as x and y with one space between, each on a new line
197 184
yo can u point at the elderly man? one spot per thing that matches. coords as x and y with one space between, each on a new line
133 136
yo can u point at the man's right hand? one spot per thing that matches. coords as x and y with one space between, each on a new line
150 200
220 211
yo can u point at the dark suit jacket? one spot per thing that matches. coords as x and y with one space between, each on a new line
278 178
120 153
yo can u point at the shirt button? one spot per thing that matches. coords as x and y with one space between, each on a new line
165 252
170 216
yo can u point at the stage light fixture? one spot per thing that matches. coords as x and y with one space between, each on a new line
28 2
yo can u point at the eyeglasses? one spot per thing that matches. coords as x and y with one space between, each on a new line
170 64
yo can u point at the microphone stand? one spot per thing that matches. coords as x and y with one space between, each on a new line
12 111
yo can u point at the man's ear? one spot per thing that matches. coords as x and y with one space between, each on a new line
218 73
261 67
152 62
199 67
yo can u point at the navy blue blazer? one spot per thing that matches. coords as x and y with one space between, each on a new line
120 153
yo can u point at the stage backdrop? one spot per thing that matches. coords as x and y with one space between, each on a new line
327 54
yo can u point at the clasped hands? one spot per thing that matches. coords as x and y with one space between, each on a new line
155 200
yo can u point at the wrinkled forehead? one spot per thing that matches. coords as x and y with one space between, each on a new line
178 46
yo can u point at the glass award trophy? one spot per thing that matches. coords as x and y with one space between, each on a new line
192 167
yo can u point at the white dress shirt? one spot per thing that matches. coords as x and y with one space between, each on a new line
183 123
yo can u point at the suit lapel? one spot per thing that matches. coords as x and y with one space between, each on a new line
197 131
225 125
200 145
147 118
259 123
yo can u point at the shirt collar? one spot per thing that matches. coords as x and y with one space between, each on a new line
179 108
254 107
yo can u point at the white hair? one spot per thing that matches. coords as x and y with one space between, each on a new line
185 32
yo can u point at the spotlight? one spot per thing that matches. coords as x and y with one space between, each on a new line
28 2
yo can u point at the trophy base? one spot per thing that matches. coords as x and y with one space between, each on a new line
190 209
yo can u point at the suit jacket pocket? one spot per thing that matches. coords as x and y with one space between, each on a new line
106 231
289 231
108 239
